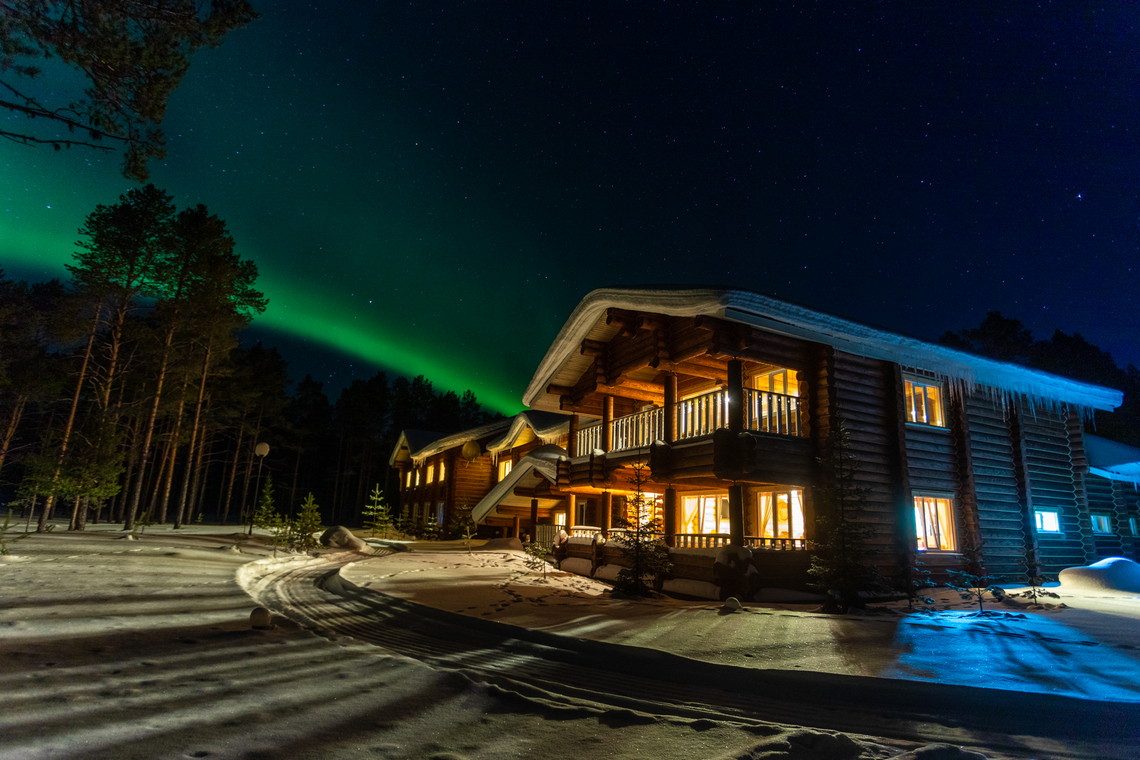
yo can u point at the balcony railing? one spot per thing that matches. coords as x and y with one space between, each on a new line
776 544
714 540
764 412
638 430
768 412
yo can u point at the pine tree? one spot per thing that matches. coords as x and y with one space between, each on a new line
267 518
302 537
376 513
642 548
838 565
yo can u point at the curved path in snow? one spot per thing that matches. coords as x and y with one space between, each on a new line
572 672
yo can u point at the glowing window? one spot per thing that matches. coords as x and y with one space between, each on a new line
1134 526
408 480
650 508
934 523
1101 524
781 381
1047 521
431 473
705 513
417 476
442 471
505 468
780 515
924 404
560 519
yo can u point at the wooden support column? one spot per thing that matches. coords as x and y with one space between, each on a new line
572 438
533 519
571 511
517 521
736 515
736 396
607 423
670 517
604 513
670 408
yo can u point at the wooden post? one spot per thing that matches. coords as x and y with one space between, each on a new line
736 395
736 515
604 513
670 516
517 528
671 408
572 511
607 423
533 519
572 438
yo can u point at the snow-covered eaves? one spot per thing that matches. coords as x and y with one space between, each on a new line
547 426
542 463
457 439
963 371
410 441
1112 460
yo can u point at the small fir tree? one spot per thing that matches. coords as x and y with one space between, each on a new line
1036 578
377 515
642 548
536 556
302 537
913 578
838 566
267 518
974 582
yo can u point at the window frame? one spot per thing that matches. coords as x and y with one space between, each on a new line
922 535
504 468
1095 517
793 502
912 382
1037 522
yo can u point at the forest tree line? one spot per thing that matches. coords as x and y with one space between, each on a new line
125 395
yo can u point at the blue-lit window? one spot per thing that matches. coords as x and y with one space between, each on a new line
1101 524
1047 520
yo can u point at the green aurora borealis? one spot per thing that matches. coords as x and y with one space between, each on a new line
432 190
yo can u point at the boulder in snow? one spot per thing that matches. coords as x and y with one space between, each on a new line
260 618
1112 574
340 537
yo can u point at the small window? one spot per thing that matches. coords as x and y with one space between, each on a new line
431 473
560 519
417 476
1101 524
934 523
442 471
505 468
924 404
408 480
1047 521
1134 526
439 509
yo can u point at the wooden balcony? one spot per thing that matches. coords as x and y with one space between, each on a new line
764 412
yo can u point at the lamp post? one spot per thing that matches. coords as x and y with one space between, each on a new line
261 450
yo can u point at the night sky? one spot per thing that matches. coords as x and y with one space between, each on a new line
431 189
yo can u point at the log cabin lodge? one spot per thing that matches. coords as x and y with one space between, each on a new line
723 403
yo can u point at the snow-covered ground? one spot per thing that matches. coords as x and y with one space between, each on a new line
113 648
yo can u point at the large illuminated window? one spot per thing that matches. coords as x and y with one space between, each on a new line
505 468
651 506
924 403
1047 520
934 523
780 514
704 513
781 381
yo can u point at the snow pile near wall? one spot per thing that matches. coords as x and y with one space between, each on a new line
961 370
1115 574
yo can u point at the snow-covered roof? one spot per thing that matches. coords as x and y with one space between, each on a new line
458 439
547 427
961 369
410 441
542 463
1112 460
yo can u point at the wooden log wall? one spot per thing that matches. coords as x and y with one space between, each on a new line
864 389
1048 469
472 480
1102 500
1128 501
1001 516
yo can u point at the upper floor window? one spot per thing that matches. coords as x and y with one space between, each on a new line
934 523
505 468
782 381
1134 526
924 403
1101 524
431 473
408 480
417 480
442 471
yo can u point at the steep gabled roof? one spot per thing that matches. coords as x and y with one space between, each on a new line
409 442
547 427
540 464
562 364
421 444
